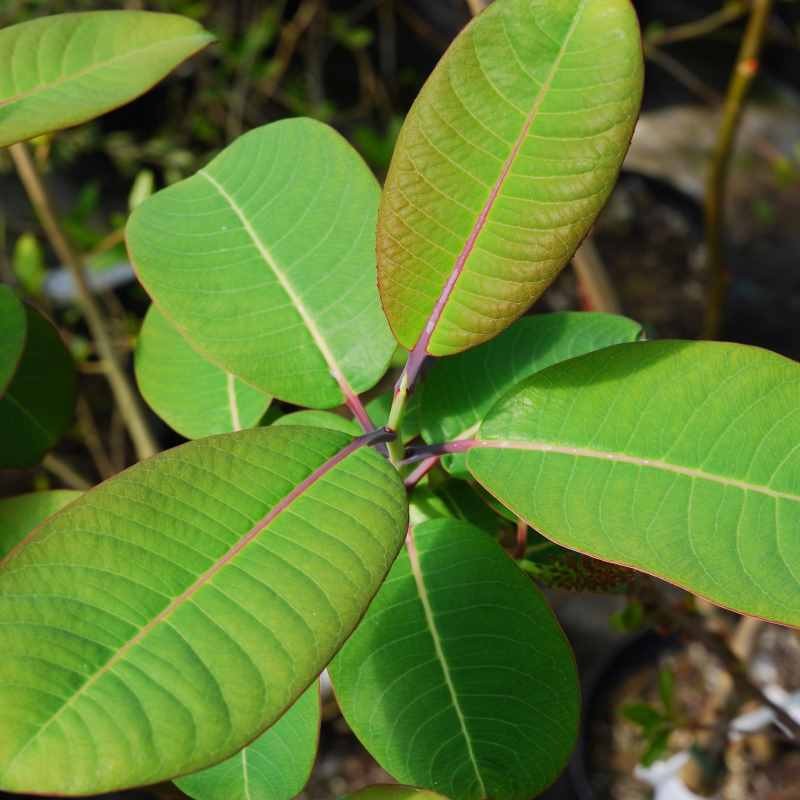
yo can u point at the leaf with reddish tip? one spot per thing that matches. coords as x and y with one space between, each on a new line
679 459
64 69
166 618
507 156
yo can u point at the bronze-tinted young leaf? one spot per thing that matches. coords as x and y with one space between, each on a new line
61 70
167 617
459 678
506 157
265 261
21 514
680 459
38 404
275 766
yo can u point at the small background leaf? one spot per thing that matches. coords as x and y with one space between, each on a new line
20 515
61 70
275 766
13 328
175 611
38 405
457 663
190 394
265 261
679 459
458 392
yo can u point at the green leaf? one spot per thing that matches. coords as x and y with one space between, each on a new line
394 793
657 748
275 766
61 70
265 261
167 617
20 515
190 394
28 264
666 689
679 459
458 664
507 156
38 405
13 328
319 419
643 715
454 499
458 392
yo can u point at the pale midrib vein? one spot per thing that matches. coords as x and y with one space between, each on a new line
458 268
189 592
636 461
98 65
233 405
245 775
286 285
422 591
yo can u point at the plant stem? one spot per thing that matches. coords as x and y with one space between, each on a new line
91 436
421 471
593 279
124 395
683 75
743 75
701 27
66 473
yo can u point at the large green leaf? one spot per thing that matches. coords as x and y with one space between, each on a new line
389 792
506 157
678 459
38 404
459 678
12 335
265 261
61 70
458 392
167 617
192 395
21 514
275 766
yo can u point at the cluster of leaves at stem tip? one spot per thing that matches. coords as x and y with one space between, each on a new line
172 622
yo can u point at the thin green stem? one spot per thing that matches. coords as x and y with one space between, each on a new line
701 27
124 394
743 75
401 390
